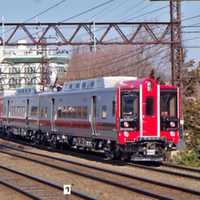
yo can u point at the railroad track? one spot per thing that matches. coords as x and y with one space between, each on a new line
159 190
176 171
166 168
175 166
35 187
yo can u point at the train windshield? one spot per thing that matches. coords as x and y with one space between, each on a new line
129 104
168 103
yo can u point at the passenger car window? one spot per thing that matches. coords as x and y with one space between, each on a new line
104 112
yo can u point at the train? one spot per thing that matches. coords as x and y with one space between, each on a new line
123 117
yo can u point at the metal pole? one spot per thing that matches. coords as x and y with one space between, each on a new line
172 41
94 36
3 32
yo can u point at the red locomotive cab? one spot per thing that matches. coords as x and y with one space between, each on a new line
147 118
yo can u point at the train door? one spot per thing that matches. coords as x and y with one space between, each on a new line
149 110
93 114
52 114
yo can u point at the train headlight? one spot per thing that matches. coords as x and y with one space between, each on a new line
126 134
172 124
149 86
126 124
172 133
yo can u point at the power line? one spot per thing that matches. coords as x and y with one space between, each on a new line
135 63
117 59
102 11
46 10
192 32
88 10
40 13
192 17
76 15
141 9
147 13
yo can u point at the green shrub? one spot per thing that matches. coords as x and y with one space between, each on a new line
188 157
191 155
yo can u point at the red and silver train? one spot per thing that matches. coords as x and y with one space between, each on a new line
125 117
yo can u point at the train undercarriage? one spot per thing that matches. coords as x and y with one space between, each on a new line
145 149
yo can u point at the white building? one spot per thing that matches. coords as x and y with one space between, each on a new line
25 66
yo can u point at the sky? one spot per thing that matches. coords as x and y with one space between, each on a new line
117 10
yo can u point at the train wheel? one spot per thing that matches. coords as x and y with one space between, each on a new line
54 143
112 151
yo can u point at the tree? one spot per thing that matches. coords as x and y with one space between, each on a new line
113 60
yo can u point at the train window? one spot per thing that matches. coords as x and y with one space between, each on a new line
84 112
78 112
113 108
168 103
43 112
149 106
129 104
34 110
72 112
104 112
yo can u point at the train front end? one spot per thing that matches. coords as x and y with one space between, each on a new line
147 119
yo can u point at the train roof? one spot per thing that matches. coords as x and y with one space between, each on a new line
101 82
78 85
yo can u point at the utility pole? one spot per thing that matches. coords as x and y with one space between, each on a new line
176 45
176 41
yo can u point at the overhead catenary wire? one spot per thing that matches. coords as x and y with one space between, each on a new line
189 18
45 10
147 13
88 10
107 10
135 63
40 13
74 16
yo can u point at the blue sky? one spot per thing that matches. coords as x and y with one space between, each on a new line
118 10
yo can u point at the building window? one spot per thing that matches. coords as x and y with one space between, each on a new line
78 85
91 84
84 85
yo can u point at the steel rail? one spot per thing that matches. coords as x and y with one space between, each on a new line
190 169
46 182
136 165
19 190
165 171
95 178
107 171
